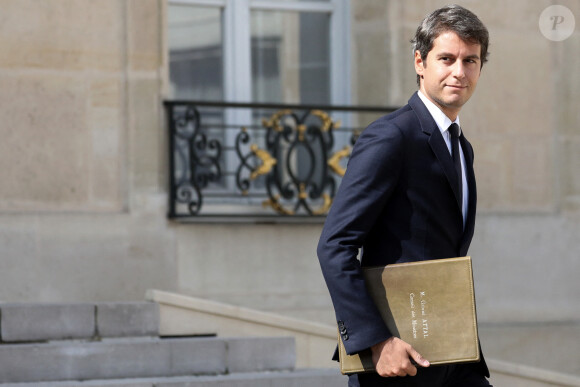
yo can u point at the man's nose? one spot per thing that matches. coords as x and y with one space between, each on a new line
459 70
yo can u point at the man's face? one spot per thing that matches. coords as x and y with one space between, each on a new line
450 72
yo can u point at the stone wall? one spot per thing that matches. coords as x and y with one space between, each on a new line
83 196
82 156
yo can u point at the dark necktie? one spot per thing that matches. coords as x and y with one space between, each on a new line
454 132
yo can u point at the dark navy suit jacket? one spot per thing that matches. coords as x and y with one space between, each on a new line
398 202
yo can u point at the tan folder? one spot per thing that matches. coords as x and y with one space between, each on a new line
428 304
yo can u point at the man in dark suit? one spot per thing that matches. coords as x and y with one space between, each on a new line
406 196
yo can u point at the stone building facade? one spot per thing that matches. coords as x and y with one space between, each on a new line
84 165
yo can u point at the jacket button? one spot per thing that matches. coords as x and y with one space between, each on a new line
345 337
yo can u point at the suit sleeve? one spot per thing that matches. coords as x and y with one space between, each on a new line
371 176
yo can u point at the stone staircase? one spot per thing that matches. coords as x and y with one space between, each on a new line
118 344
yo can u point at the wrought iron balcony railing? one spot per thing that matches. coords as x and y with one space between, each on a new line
264 162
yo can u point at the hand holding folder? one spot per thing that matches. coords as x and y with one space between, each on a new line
394 357
428 304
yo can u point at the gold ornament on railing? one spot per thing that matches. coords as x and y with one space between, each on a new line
274 202
334 160
267 160
312 132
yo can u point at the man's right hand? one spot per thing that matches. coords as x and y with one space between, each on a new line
393 357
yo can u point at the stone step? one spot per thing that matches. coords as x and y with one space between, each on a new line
143 357
32 322
297 378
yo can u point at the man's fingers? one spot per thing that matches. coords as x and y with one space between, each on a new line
411 370
394 357
418 358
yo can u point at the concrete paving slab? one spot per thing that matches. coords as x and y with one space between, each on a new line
297 378
124 319
251 354
32 322
123 358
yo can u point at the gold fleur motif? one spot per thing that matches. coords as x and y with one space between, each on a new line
267 160
274 121
326 121
334 160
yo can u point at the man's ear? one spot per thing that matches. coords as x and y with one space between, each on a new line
419 64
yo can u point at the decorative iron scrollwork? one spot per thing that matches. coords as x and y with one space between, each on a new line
264 162
301 181
288 164
196 158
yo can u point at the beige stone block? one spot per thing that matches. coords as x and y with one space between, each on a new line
106 93
404 72
44 154
533 177
514 175
517 15
144 23
569 153
513 278
567 85
412 13
368 10
19 258
509 100
78 257
372 75
107 157
260 252
494 171
147 145
272 268
62 34
82 252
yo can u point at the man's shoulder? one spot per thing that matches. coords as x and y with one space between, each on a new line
402 118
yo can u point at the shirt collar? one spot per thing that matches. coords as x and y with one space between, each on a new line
440 118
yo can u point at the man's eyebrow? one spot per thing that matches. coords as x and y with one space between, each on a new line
448 54
474 56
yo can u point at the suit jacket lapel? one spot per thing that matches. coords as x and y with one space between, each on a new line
437 144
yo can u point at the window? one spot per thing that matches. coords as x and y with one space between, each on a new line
287 51
278 51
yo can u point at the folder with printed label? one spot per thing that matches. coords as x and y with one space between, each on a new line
428 304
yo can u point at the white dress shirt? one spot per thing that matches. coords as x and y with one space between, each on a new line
443 122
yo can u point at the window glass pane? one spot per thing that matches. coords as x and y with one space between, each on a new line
195 52
290 57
